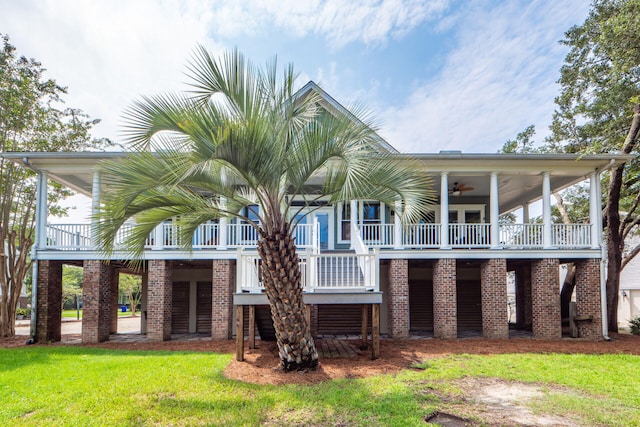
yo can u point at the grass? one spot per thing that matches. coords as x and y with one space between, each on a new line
72 314
85 386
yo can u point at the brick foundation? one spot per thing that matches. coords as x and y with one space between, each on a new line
115 281
223 281
159 300
495 320
444 299
49 309
398 302
97 301
545 293
588 298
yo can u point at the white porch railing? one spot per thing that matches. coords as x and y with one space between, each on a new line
571 235
69 236
377 234
319 272
421 235
470 235
521 235
167 236
414 236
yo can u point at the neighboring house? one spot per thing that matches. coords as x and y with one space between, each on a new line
444 276
629 297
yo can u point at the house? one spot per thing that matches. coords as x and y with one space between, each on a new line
629 296
445 275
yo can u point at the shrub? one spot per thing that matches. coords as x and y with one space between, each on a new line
23 312
635 325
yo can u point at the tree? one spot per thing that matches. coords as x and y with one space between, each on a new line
32 118
131 287
242 138
599 111
71 284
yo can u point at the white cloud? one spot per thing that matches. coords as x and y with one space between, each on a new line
338 21
499 79
108 53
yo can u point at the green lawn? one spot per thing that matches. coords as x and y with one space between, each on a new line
72 314
42 386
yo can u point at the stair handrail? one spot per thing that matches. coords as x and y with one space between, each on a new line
366 260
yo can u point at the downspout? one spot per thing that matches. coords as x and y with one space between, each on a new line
604 259
34 257
34 299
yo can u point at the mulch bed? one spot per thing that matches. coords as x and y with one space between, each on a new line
261 364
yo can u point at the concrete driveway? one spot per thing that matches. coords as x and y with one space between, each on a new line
126 325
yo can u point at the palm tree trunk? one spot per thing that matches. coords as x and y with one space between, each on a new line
281 278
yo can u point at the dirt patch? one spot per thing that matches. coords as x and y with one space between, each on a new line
499 402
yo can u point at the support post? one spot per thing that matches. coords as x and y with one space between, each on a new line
495 211
365 327
42 210
252 327
546 211
444 211
353 220
95 206
594 207
375 331
239 333
397 226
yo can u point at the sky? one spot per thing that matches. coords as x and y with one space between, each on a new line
436 74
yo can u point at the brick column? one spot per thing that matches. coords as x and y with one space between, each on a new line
445 313
49 309
398 303
222 281
115 280
96 301
159 300
545 294
495 319
588 298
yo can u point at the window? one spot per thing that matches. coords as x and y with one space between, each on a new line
345 222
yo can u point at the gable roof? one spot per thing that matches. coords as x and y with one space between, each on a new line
332 105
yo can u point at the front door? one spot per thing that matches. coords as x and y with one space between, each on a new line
324 216
323 225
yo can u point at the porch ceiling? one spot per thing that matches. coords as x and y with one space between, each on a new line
519 176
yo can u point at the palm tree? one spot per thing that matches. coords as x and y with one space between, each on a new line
241 138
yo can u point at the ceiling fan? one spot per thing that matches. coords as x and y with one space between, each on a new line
459 188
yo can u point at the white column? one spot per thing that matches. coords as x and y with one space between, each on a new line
223 235
546 209
525 213
594 207
397 229
494 211
95 206
42 210
599 210
353 218
444 210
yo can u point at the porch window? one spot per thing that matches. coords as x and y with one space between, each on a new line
345 222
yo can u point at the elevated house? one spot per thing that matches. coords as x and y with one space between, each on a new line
445 275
